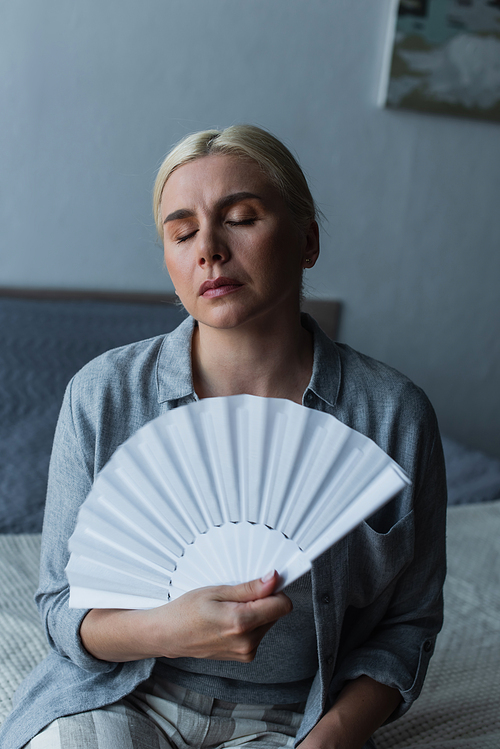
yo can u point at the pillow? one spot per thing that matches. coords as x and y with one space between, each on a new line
472 476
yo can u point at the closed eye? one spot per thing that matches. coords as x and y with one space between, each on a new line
242 222
186 237
230 222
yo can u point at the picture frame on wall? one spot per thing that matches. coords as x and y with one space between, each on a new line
443 57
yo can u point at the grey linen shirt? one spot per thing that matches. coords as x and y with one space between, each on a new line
377 594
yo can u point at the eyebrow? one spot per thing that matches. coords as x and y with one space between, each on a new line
227 200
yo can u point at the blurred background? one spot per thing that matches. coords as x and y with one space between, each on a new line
93 93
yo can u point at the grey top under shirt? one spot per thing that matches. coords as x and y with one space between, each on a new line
282 671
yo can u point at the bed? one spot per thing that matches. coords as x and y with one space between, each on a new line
45 338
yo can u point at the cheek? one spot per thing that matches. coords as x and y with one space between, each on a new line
174 260
175 269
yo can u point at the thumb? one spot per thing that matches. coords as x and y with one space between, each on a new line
261 587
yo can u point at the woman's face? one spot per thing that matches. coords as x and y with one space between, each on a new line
232 249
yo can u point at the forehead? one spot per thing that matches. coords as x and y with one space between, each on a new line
212 177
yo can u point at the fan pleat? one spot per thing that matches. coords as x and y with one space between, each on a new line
387 483
326 504
301 497
169 462
103 574
106 537
107 505
135 476
192 466
275 457
86 572
243 448
219 455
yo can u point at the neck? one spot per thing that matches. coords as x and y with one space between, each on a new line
268 360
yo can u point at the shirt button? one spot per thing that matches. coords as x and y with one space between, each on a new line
427 646
325 598
329 660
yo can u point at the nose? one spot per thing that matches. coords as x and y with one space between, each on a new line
212 247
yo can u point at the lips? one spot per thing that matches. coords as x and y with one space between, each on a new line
219 286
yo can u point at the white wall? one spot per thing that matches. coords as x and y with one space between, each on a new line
94 92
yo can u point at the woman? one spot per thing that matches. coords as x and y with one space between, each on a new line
235 664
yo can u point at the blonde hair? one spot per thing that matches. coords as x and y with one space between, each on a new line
246 141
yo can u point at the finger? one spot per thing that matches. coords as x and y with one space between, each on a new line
267 611
251 591
250 616
245 649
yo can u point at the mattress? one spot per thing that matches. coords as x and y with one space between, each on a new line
22 641
459 702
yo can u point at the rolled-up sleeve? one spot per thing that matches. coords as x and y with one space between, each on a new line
396 633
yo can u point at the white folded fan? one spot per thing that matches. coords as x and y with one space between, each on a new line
222 491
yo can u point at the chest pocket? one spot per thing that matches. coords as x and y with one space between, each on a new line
377 559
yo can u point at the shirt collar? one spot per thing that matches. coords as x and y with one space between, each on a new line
325 379
174 374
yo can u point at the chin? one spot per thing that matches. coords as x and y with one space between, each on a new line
221 322
220 315
232 319
227 313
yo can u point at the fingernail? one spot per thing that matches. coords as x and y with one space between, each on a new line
268 576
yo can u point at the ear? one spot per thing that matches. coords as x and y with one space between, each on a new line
311 246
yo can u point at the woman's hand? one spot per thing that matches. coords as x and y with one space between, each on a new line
225 622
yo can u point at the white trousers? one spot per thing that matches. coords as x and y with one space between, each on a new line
161 715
